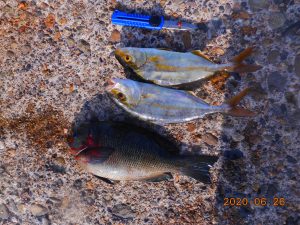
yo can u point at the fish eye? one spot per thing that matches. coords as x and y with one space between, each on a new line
127 58
121 96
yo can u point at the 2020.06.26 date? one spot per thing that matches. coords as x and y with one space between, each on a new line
256 201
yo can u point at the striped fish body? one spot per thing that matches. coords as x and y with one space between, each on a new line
168 68
123 152
159 104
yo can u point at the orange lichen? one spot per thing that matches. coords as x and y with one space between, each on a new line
23 5
63 21
248 30
41 128
49 21
57 36
218 80
240 15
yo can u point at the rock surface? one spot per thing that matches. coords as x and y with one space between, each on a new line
56 57
4 214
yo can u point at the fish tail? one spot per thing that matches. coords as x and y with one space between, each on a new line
240 67
198 167
234 101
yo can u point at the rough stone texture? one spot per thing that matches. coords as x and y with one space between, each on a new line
55 59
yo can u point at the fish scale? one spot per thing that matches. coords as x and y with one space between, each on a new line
169 68
163 105
127 152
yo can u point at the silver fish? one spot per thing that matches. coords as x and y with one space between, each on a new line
165 105
168 68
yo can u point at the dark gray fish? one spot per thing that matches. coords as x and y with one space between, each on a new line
119 151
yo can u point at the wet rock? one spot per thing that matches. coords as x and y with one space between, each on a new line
56 168
2 170
70 41
26 49
292 220
13 207
84 46
191 127
268 190
290 98
4 213
21 208
38 210
276 82
276 20
256 5
78 184
10 54
2 146
233 154
123 211
245 211
45 221
115 36
291 159
297 65
272 190
257 91
279 110
273 56
237 137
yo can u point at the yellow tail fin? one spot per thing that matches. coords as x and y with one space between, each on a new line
239 66
238 111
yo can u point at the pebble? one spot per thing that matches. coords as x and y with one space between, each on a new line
123 211
25 49
45 221
257 5
13 207
115 36
276 20
4 213
2 146
84 46
237 137
273 56
2 170
70 41
38 210
21 208
276 82
210 139
297 65
10 54
233 154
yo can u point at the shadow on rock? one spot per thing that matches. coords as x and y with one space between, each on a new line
102 108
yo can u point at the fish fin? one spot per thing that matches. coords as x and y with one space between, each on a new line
198 167
201 54
192 93
106 180
238 65
238 111
164 177
165 49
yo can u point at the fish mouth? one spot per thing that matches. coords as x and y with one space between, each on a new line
119 53
110 85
